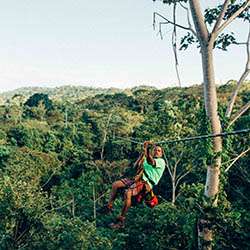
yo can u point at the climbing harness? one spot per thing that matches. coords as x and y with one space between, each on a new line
150 199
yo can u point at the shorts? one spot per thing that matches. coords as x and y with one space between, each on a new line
134 187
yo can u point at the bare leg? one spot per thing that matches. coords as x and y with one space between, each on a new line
115 186
127 203
126 206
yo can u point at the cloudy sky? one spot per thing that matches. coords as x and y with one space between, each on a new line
99 43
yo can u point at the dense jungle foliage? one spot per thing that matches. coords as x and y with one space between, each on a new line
58 159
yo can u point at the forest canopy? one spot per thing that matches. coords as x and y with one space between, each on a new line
59 157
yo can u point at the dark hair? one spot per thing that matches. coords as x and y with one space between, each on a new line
162 150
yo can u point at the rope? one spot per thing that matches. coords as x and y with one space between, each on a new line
199 137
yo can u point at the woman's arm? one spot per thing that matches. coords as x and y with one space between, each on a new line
149 157
140 160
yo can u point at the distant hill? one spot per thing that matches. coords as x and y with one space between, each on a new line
79 93
68 92
71 93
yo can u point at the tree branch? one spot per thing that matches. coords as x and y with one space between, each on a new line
229 81
22 234
73 206
167 164
176 165
237 158
105 134
221 16
188 19
98 198
57 208
239 113
169 22
174 41
181 177
231 18
187 10
169 170
235 93
49 179
160 29
94 205
241 80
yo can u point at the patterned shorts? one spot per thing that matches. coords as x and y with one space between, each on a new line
134 187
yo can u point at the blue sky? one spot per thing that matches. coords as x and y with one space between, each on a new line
98 43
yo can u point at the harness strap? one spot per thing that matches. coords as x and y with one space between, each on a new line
150 180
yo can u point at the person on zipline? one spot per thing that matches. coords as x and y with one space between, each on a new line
149 171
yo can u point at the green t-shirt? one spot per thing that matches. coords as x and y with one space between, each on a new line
153 172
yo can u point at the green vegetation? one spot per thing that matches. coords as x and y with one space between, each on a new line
59 156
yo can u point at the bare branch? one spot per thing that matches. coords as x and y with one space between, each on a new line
174 41
49 179
174 171
94 205
221 16
188 18
235 93
246 198
241 43
178 161
105 134
179 193
237 158
239 113
176 165
22 234
168 21
181 177
73 206
167 164
160 29
229 81
57 208
98 198
241 80
169 170
231 18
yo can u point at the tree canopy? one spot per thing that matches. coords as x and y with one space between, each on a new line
53 173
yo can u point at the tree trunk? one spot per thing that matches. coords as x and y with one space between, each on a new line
105 136
213 171
173 192
206 40
211 105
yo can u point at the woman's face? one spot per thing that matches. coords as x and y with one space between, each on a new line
157 152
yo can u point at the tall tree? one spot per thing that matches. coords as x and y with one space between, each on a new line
18 100
208 38
36 99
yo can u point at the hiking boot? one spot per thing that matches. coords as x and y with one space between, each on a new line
120 223
106 209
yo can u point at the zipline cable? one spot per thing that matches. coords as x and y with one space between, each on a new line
243 131
128 140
